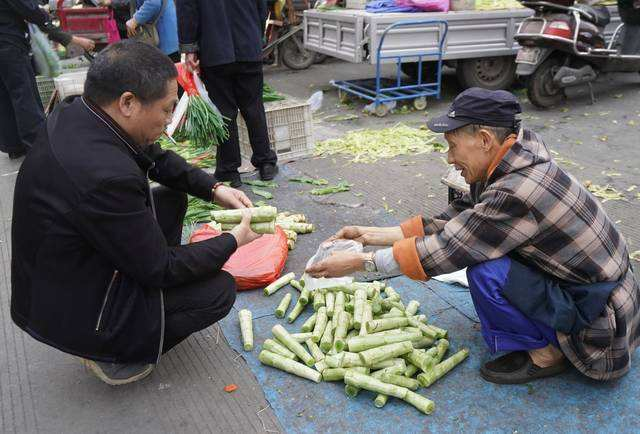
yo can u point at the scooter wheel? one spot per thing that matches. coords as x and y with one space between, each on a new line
541 89
294 55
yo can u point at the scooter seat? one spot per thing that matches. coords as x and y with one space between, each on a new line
598 15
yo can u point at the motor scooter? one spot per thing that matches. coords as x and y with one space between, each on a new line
563 46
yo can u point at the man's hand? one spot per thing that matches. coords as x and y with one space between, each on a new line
132 25
193 63
243 233
338 264
230 198
85 43
370 236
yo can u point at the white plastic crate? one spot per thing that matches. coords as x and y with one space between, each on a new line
70 83
45 89
290 129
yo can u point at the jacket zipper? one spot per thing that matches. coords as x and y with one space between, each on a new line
105 300
153 210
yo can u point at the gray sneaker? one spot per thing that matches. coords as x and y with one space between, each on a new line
117 374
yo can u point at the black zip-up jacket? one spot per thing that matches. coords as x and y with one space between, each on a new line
14 15
222 31
82 211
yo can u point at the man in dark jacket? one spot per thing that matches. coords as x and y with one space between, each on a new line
21 112
630 15
224 40
97 266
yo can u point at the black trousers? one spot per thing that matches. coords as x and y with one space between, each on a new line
21 112
233 87
197 305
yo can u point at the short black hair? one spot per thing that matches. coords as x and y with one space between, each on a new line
129 66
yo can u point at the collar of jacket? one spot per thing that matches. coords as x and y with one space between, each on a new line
140 157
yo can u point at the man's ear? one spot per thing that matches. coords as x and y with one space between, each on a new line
487 139
127 103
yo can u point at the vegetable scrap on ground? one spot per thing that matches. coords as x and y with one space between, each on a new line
606 193
202 158
269 94
368 146
362 334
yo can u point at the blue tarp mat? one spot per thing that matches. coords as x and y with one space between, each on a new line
464 402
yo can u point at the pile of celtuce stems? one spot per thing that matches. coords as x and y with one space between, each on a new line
364 335
292 225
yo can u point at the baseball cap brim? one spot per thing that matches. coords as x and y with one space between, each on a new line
445 124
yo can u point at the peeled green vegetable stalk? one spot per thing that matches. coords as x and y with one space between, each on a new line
337 374
258 228
412 308
321 323
358 307
279 283
367 316
297 285
411 370
330 299
441 347
378 354
361 343
423 404
275 347
258 214
301 337
420 359
308 325
318 301
400 380
262 193
425 329
380 400
296 311
285 338
304 296
341 331
351 391
369 383
321 366
338 307
378 325
277 361
390 363
283 306
246 328
326 342
423 343
392 294
341 187
315 350
426 379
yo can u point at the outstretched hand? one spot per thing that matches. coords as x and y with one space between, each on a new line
339 264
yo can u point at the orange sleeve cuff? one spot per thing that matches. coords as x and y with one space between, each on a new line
406 255
412 227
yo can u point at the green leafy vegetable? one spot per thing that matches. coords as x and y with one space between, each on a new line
262 193
343 186
307 180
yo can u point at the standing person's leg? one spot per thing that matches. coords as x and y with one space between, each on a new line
248 92
630 44
219 82
505 328
18 80
195 306
171 207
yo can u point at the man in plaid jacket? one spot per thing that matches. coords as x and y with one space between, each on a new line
549 273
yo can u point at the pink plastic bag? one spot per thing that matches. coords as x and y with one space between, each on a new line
112 29
426 5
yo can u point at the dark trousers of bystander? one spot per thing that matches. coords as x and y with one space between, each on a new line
197 305
238 87
21 112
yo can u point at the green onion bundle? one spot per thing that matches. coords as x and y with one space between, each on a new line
204 126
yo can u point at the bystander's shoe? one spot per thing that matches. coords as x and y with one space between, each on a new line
117 374
268 171
233 178
518 368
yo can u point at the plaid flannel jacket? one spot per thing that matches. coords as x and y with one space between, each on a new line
531 207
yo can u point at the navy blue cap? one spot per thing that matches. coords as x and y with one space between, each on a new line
493 108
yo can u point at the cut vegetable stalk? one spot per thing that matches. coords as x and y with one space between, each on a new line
277 361
369 383
283 306
330 301
315 350
426 379
318 301
425 329
337 374
246 328
301 337
321 323
258 214
425 342
338 307
411 370
423 404
375 355
308 325
412 308
258 228
441 347
296 311
358 307
390 363
279 283
367 316
321 366
301 228
326 342
351 391
275 347
400 380
341 331
380 400
361 343
297 285
305 295
378 325
285 338
420 359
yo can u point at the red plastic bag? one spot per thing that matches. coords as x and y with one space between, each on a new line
185 79
256 264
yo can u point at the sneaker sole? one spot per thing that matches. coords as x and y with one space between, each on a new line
95 369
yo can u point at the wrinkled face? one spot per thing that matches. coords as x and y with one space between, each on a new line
147 121
470 153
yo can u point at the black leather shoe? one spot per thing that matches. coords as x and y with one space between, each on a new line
268 171
233 178
518 368
17 154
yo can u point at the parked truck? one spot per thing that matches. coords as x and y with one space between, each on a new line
480 45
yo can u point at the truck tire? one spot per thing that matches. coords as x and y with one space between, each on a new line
294 55
494 73
541 89
429 71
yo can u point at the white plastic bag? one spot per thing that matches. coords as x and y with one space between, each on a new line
324 251
202 91
315 101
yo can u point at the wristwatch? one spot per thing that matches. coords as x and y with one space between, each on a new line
370 263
